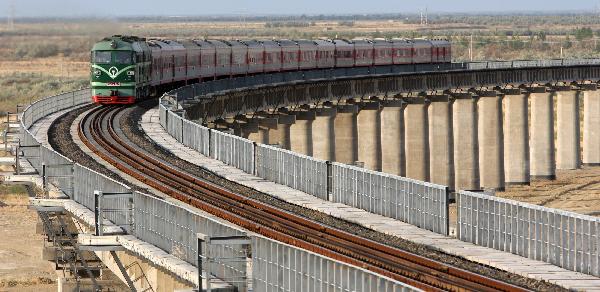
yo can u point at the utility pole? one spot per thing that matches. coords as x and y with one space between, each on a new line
561 52
471 48
11 15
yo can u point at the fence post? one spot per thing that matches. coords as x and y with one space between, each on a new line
201 239
254 155
129 216
17 160
210 147
6 131
44 180
182 114
447 211
98 213
329 180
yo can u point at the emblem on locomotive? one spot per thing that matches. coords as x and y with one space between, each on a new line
113 72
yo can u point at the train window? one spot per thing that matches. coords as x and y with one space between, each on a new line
122 57
101 57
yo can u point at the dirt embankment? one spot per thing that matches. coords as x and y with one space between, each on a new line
573 190
22 268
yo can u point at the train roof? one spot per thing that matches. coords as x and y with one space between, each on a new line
219 43
204 44
269 43
439 42
341 42
252 43
236 44
117 43
324 43
305 42
287 43
380 41
361 42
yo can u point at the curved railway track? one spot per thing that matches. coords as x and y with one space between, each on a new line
98 131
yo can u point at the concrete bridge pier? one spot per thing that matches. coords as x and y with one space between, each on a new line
268 130
323 133
591 125
346 134
466 149
282 137
441 153
543 165
491 139
516 138
249 130
416 137
301 132
369 134
568 151
393 158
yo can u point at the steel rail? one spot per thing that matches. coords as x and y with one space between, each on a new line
97 131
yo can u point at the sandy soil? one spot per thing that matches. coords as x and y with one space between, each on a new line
573 190
22 268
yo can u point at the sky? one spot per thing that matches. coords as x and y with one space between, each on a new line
108 8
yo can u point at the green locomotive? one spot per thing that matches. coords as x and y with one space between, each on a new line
120 70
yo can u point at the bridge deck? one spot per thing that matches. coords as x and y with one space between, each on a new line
498 259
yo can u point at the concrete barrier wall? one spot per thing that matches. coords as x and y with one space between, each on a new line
294 170
174 229
568 240
280 267
419 203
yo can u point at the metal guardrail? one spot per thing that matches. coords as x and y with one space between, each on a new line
294 170
54 104
280 267
174 229
175 126
232 150
565 239
530 63
422 204
87 181
57 170
197 138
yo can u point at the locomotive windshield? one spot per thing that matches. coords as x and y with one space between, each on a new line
101 57
122 57
107 57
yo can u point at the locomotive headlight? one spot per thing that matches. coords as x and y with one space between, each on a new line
130 73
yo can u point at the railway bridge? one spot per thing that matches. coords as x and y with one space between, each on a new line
310 152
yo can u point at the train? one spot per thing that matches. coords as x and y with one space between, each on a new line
125 69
